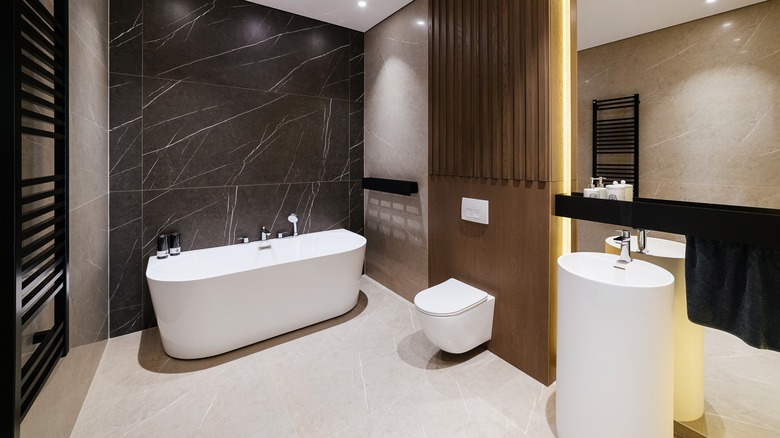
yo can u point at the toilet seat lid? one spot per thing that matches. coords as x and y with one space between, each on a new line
449 298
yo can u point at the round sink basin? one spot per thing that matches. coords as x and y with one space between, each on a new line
615 348
688 337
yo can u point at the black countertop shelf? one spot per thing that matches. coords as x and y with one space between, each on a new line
399 187
746 225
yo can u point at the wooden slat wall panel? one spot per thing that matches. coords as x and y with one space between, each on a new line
531 92
543 72
489 89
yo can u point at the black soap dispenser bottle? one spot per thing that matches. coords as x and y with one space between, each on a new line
162 246
174 244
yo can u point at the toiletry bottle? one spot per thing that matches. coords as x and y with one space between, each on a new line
629 196
591 191
174 244
602 190
162 246
616 191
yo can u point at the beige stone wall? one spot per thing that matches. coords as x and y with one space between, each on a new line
709 112
57 407
88 171
396 146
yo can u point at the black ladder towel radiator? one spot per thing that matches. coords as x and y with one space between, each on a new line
35 156
616 140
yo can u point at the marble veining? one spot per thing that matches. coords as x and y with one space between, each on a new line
396 142
226 116
369 373
709 91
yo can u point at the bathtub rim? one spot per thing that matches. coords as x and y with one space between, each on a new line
154 263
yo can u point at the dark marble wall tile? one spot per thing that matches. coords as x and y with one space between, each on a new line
241 115
125 36
126 320
356 140
356 207
356 69
237 43
127 268
198 135
202 216
124 137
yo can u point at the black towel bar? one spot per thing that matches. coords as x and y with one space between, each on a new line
398 187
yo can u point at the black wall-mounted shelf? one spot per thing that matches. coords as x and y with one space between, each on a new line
398 187
746 225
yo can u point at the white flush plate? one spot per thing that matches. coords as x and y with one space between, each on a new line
474 210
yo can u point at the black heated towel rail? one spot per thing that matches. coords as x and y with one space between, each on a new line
35 159
616 140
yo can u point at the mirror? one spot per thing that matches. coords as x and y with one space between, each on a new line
708 79
710 102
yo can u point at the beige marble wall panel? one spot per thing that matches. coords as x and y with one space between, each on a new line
88 170
88 273
88 95
709 112
55 410
396 146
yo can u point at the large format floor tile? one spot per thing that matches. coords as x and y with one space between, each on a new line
369 373
372 373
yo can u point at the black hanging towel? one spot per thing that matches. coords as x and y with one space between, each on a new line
616 140
734 288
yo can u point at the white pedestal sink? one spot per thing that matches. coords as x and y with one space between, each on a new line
615 348
688 337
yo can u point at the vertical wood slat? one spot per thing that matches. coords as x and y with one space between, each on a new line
449 53
495 92
518 68
543 69
433 88
531 77
475 81
467 146
484 71
489 89
507 93
442 102
458 98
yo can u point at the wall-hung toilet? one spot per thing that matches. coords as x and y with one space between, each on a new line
455 316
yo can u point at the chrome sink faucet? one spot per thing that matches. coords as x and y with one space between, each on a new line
624 240
641 240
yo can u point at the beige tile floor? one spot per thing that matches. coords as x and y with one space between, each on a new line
741 389
370 373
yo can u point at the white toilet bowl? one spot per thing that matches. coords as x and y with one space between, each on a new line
454 316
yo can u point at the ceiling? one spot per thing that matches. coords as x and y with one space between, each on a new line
604 21
598 21
345 13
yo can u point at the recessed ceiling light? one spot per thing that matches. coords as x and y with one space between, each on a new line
420 22
363 4
711 1
727 24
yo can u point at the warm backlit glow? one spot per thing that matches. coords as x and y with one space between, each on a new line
567 108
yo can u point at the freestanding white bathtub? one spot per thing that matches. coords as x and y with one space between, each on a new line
215 300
